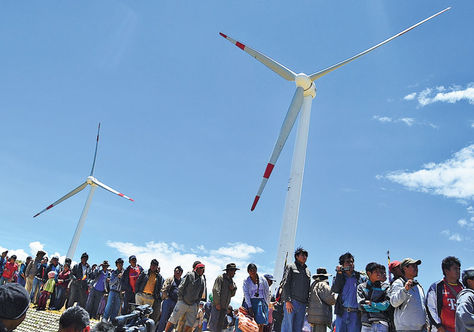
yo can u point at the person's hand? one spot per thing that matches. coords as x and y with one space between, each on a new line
441 329
409 284
368 302
250 310
339 269
289 306
218 306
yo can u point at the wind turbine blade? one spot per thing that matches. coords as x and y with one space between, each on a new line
321 73
100 184
72 193
285 130
281 70
95 153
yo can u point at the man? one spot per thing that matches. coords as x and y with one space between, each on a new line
345 284
148 289
14 300
408 299
74 319
3 261
79 275
441 297
190 293
40 278
169 295
295 285
321 300
222 292
99 286
465 303
21 273
395 269
113 301
129 280
9 270
31 269
372 296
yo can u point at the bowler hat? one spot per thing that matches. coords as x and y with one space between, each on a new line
321 272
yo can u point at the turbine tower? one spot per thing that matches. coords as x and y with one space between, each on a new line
301 103
94 183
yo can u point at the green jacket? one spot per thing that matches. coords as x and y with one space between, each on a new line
222 292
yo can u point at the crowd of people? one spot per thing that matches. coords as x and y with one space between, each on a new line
361 301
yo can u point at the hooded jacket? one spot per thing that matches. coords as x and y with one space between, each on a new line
295 284
221 292
410 311
321 300
465 310
191 288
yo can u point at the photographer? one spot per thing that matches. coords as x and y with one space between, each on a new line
345 284
408 298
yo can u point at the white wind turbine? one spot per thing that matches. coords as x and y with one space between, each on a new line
302 99
94 183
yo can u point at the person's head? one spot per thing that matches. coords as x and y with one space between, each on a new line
40 254
409 267
12 258
269 279
196 263
66 267
44 260
18 300
74 319
468 277
201 304
252 270
395 268
55 261
105 265
28 260
103 327
178 272
347 262
154 265
230 269
373 272
84 258
301 255
68 261
119 263
132 260
51 274
199 269
451 267
383 272
4 254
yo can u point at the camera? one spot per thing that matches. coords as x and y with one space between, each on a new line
136 321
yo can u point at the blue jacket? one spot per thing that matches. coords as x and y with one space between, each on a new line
338 285
377 294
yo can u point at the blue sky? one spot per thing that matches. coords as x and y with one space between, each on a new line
189 121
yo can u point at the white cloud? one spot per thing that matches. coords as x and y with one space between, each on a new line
449 95
462 222
408 121
452 236
452 178
172 255
35 247
382 119
20 253
410 96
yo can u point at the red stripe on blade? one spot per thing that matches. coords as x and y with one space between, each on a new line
49 207
121 195
268 171
255 201
225 36
132 199
240 45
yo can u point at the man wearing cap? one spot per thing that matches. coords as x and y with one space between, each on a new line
190 293
321 300
129 280
79 274
295 285
408 299
148 289
115 285
395 269
14 300
99 282
31 269
345 284
441 296
169 295
465 303
40 278
222 292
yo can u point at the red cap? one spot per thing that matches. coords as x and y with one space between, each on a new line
393 265
198 266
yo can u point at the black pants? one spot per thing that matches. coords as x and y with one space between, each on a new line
77 294
129 297
93 302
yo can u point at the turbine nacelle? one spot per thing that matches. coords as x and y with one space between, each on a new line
91 180
302 80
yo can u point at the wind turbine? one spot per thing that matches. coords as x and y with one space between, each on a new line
94 183
302 100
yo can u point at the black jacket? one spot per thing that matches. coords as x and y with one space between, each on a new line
76 275
126 279
337 287
143 279
296 282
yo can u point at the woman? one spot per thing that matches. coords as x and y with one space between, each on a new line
256 292
61 287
